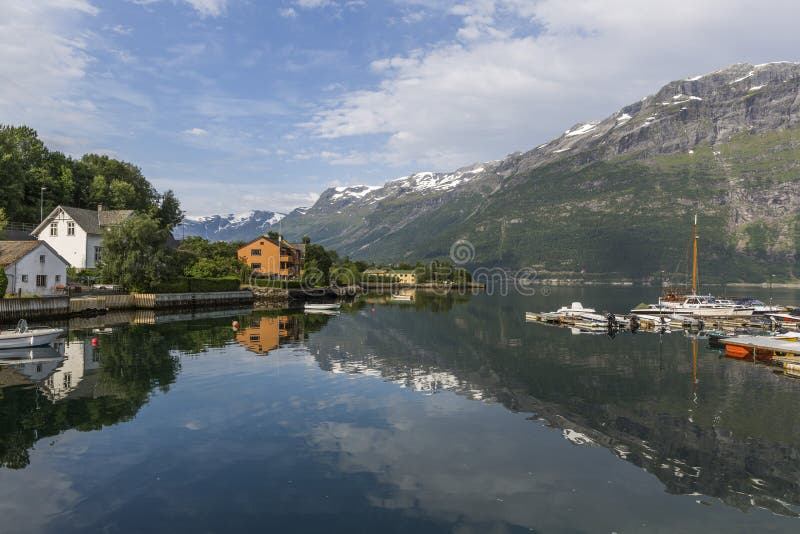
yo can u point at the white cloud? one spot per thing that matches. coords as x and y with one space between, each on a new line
119 29
195 131
313 4
44 61
209 8
287 12
519 72
204 8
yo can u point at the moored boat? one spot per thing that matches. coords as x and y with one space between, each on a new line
23 336
332 306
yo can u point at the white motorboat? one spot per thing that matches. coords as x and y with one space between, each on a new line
403 298
23 336
334 306
576 310
697 306
759 307
321 312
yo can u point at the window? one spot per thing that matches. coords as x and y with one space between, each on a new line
53 229
70 228
255 337
255 266
98 252
41 258
41 280
255 252
58 278
24 278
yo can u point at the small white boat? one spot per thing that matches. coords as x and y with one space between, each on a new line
28 337
321 312
403 298
334 306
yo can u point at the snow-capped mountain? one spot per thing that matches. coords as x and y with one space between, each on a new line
231 227
721 144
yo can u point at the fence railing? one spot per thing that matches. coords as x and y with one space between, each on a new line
20 227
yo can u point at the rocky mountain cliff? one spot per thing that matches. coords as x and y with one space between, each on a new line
613 197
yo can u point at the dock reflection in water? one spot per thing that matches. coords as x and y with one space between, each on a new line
450 413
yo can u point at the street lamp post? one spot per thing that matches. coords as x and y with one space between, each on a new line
41 205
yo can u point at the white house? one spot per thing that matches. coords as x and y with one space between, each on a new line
77 234
32 267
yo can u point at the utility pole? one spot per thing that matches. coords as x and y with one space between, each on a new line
41 205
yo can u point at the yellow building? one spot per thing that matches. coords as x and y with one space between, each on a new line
402 277
269 257
268 333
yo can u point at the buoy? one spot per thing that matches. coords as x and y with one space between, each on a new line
373 310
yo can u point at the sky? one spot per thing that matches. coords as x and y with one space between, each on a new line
254 104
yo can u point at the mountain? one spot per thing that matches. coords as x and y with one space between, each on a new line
241 227
614 197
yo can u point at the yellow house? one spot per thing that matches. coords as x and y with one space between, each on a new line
270 257
402 277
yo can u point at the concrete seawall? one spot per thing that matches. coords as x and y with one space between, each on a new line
12 310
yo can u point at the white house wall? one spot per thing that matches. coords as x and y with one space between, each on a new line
53 267
71 247
92 241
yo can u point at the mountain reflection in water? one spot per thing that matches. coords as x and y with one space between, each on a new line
701 424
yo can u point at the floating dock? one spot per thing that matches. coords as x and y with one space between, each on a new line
760 347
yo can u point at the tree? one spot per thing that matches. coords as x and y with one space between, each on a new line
135 254
169 212
3 277
201 258
98 191
120 194
320 259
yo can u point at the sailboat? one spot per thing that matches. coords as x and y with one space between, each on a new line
674 304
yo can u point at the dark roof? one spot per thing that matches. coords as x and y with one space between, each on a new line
12 251
91 221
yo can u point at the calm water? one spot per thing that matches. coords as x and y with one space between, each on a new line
446 415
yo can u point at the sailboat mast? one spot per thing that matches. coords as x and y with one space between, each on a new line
694 260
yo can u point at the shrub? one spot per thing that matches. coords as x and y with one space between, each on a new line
198 285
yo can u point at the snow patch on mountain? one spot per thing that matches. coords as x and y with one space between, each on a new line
580 130
353 191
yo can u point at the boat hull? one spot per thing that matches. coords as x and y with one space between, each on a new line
322 306
32 338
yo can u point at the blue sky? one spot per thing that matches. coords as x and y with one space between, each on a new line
245 104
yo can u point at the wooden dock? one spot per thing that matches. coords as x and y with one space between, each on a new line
778 347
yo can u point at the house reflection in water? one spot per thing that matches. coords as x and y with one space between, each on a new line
81 360
61 370
268 333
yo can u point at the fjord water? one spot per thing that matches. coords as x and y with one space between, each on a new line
446 414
